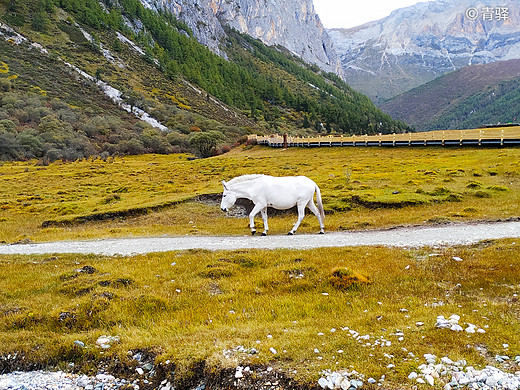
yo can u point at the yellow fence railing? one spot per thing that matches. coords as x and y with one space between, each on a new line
492 136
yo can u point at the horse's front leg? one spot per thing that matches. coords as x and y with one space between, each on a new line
264 218
301 214
252 215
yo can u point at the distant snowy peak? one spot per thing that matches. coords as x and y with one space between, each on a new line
293 24
415 44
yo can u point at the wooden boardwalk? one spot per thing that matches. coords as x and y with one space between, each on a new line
493 136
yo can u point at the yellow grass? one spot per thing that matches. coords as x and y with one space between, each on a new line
193 305
362 188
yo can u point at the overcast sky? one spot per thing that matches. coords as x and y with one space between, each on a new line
351 13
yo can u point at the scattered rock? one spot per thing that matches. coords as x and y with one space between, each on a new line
452 323
86 270
341 380
458 375
106 341
60 380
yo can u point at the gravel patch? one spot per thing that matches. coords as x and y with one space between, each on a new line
43 380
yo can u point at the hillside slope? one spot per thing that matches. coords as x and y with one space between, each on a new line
416 44
466 98
59 54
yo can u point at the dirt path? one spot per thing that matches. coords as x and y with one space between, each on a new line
455 234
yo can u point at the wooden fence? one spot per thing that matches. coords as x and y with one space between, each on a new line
493 136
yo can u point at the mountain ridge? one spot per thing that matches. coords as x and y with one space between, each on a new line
416 44
466 98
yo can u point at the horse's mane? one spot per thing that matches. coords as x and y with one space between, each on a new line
243 178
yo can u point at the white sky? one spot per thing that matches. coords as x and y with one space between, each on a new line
351 13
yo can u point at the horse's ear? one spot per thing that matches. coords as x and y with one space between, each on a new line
224 184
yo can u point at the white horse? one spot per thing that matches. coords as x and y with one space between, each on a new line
281 193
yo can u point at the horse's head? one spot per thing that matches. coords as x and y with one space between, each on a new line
228 198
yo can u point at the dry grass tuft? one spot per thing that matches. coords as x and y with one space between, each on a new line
342 278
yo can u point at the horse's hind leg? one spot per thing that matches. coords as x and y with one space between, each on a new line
316 212
264 218
301 214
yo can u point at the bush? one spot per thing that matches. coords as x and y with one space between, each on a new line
344 279
225 149
498 188
5 85
10 148
482 194
474 184
131 146
206 141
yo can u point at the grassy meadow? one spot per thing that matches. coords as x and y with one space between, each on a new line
197 305
362 188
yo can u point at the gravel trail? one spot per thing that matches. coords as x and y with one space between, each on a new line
454 234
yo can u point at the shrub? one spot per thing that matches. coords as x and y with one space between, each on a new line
111 199
5 85
216 273
454 198
498 188
440 191
439 220
344 279
204 142
246 262
482 194
474 184
225 149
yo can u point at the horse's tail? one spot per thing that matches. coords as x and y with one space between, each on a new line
320 203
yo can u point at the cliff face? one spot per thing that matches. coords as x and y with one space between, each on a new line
293 24
419 43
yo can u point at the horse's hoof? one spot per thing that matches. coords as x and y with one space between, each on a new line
253 232
264 234
290 234
322 232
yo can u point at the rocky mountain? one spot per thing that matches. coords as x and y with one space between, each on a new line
292 24
466 98
416 44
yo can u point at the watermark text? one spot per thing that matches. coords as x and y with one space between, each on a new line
488 13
